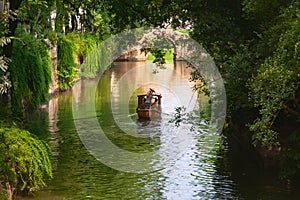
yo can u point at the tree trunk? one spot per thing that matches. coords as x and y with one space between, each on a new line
9 191
73 23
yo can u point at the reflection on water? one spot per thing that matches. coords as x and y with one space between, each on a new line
189 162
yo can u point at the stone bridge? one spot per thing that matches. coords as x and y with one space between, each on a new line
135 52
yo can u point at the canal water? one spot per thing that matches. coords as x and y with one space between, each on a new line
188 161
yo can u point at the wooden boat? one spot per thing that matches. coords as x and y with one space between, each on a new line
146 110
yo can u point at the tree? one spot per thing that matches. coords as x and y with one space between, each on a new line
276 86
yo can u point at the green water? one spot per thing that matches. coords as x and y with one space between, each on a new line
187 162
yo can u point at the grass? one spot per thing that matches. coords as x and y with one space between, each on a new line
168 57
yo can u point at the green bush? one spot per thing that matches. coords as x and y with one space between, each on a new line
98 59
24 160
30 71
67 69
84 43
73 49
88 53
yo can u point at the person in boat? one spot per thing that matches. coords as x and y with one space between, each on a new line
149 97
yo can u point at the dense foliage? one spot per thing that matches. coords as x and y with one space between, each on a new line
277 80
84 48
84 43
30 71
73 49
24 161
5 83
66 67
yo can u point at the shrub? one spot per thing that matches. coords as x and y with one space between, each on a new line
84 43
30 71
67 70
24 161
88 53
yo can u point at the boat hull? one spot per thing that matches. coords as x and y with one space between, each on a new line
149 108
145 113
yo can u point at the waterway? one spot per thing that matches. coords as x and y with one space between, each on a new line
160 160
